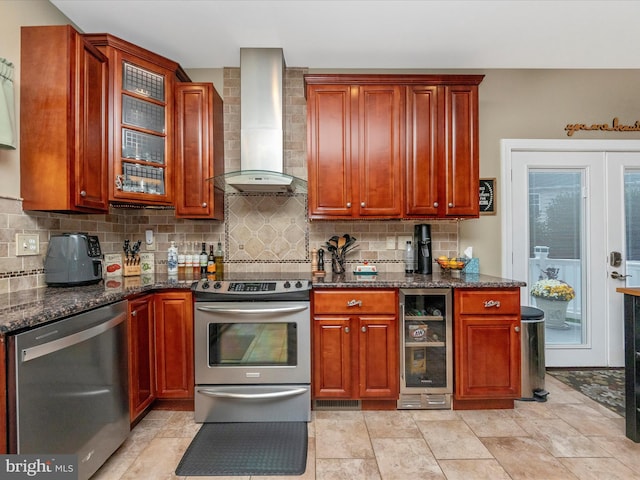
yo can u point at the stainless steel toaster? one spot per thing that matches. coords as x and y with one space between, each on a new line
73 259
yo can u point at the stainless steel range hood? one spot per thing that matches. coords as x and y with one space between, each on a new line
261 125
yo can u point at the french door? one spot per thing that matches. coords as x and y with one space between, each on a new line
571 228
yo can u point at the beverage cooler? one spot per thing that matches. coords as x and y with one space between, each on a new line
426 349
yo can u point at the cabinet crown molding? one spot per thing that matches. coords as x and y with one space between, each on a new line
395 79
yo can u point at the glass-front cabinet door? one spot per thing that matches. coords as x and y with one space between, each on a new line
141 83
426 366
141 159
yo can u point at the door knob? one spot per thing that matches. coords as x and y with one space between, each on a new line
618 276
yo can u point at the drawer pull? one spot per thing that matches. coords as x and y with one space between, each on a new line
492 303
354 303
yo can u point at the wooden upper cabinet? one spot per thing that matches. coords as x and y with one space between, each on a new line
63 122
355 151
379 154
199 153
393 146
423 170
329 150
141 163
442 151
461 156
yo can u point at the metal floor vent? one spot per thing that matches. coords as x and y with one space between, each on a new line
337 405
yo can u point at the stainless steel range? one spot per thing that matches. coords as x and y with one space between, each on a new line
252 350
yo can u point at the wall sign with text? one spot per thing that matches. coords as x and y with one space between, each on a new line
488 196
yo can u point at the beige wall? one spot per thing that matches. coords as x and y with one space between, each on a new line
539 104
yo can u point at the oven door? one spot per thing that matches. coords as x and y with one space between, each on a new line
252 343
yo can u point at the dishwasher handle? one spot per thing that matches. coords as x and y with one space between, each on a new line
254 311
37 351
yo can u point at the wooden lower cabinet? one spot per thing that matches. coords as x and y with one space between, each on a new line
160 349
174 345
142 387
355 352
487 348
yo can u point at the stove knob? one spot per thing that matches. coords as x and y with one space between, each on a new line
298 284
205 285
287 284
217 285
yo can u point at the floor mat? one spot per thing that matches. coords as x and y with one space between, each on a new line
605 386
262 448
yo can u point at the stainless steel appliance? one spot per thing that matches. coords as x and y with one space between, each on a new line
422 242
73 259
71 387
426 349
252 350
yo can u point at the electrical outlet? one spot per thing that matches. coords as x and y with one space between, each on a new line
391 243
149 241
27 244
402 241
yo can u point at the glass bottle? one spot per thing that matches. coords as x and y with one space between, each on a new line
182 260
195 264
211 263
409 258
172 259
219 258
203 260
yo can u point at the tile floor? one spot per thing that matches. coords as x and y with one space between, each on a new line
568 437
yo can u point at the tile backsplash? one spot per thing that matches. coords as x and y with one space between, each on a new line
261 232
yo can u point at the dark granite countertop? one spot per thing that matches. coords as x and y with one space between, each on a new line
27 309
401 280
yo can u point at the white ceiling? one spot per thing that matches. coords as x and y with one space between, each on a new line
400 34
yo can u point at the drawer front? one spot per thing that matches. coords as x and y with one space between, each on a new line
355 301
488 302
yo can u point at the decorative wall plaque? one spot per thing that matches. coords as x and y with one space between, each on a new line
488 196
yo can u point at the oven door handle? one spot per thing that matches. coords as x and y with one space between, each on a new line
250 396
254 311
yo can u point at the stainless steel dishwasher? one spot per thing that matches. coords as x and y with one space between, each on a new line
70 379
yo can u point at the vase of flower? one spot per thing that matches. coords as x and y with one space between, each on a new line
555 312
553 296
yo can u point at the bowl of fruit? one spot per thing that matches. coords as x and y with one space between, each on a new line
452 263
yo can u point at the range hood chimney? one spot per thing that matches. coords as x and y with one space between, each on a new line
261 125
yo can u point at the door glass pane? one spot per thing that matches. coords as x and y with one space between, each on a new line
556 253
632 226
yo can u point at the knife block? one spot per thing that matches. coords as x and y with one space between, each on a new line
131 266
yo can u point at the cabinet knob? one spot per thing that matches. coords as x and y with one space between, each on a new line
83 193
362 204
348 204
346 329
517 329
364 329
204 204
436 204
134 313
450 205
492 303
354 303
